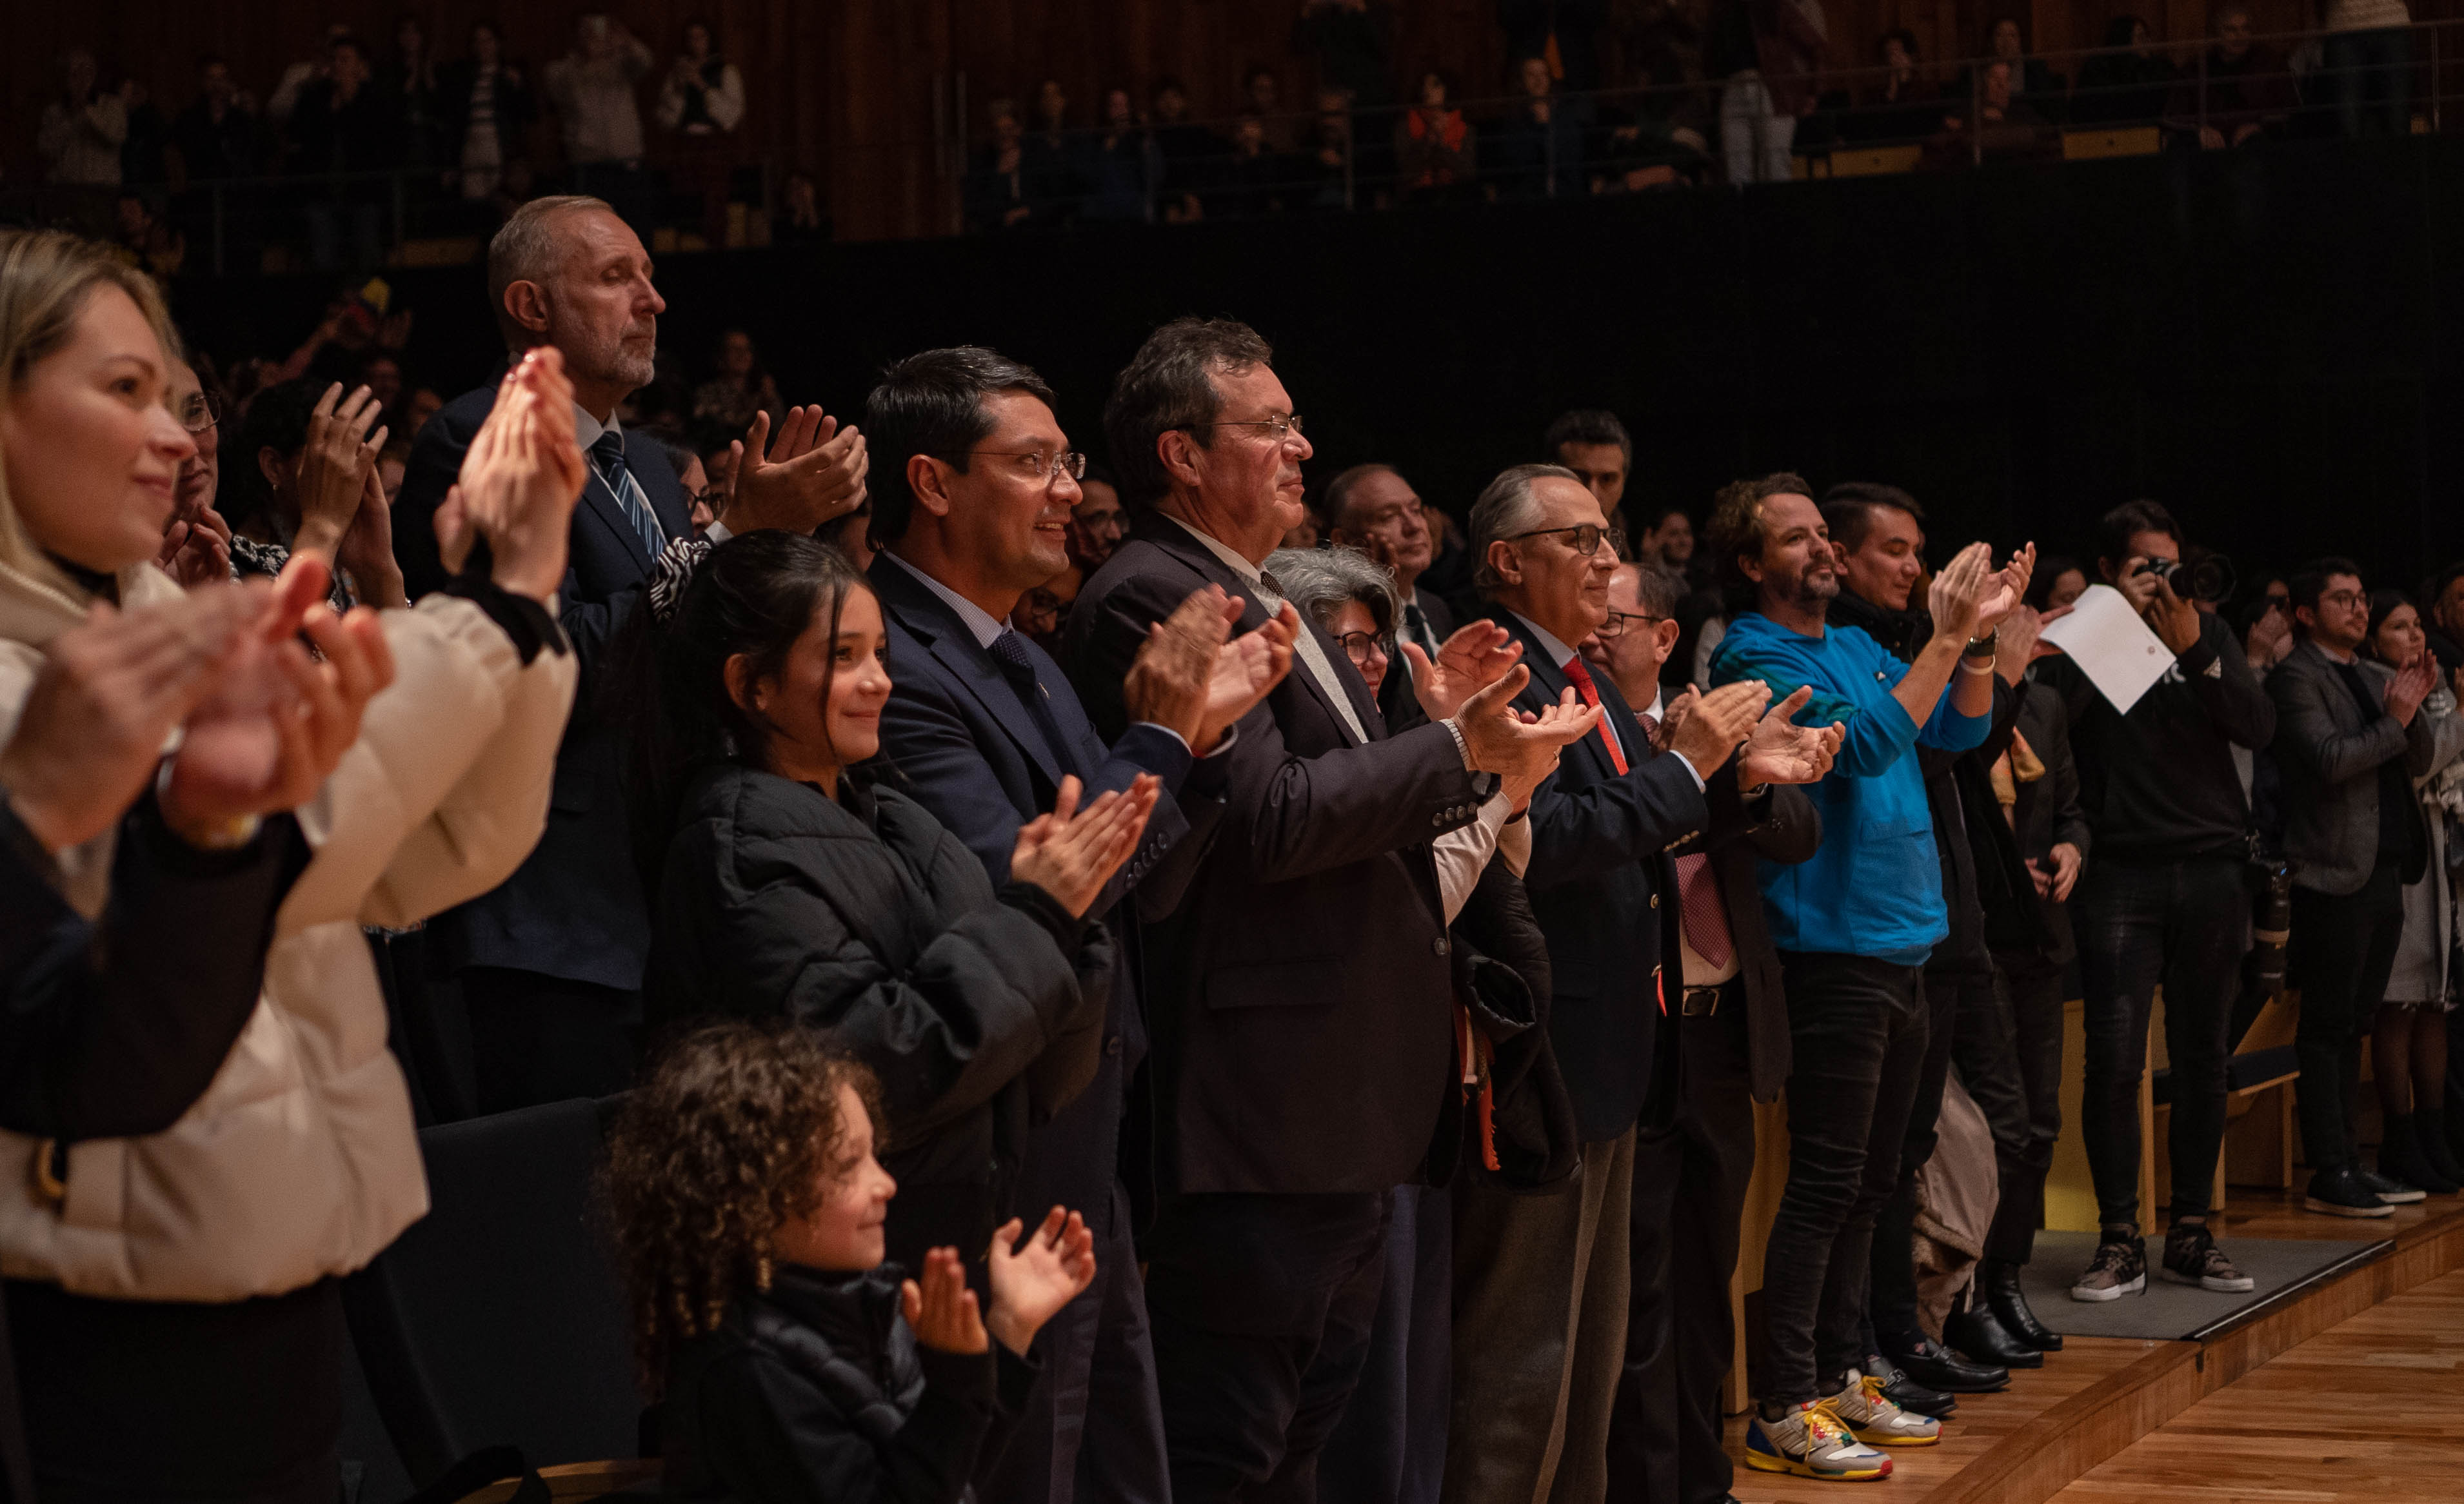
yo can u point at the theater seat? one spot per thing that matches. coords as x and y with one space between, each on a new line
497 1320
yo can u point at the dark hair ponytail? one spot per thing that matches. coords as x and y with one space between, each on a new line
755 595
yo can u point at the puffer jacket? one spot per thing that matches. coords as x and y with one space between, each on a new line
981 1012
300 1161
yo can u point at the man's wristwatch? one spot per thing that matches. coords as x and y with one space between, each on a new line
1982 646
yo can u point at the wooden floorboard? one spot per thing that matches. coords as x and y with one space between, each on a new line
2362 1412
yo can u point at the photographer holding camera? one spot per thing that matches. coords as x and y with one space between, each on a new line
2163 901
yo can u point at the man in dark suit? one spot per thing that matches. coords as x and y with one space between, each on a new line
1302 1042
1373 509
971 509
551 962
1542 1282
1690 1176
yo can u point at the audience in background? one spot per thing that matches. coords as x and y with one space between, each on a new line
409 78
2408 1046
1765 53
83 127
2127 84
738 388
484 112
996 195
1899 106
1592 443
1373 509
1537 152
1436 156
2034 83
346 131
2236 93
2368 64
701 105
1098 522
592 87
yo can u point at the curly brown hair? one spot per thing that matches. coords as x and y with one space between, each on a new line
728 1138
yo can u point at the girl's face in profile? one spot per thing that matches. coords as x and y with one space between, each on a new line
841 1234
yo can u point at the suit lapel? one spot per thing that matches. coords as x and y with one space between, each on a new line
1548 684
955 648
1182 544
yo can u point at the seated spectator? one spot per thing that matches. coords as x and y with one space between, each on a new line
738 388
701 507
1121 166
800 220
306 482
1189 152
996 196
2238 94
794 1363
201 1302
1901 107
2032 82
1042 611
197 541
1054 180
1249 180
346 131
701 105
2006 128
1435 158
1537 149
485 112
82 128
1353 599
1097 524
2408 1046
783 884
2126 84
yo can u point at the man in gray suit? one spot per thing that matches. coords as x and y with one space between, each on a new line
2349 739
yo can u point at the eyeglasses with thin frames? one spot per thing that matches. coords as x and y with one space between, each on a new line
1041 466
1283 429
198 413
1615 626
1586 539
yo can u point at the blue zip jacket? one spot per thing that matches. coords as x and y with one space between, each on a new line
1873 887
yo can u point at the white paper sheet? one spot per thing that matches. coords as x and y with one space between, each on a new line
2119 654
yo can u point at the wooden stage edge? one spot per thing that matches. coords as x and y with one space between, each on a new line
2027 1459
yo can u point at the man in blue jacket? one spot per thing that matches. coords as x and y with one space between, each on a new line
1853 926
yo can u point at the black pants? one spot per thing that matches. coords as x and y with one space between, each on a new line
2183 923
2031 990
1261 1308
2342 951
135 1402
543 1038
1391 1443
1857 1029
1690 1193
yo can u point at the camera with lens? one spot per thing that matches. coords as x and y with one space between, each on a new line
2271 921
2209 577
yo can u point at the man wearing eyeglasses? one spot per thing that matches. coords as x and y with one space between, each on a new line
1373 509
972 502
1299 997
2349 737
1542 1282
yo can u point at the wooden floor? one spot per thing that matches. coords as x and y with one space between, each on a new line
2364 1411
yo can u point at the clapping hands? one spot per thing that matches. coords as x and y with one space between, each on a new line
812 472
1071 853
1779 751
1033 1279
1189 677
1469 662
520 481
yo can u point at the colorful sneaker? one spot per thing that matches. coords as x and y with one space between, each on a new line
1872 1418
2119 1269
1812 1442
2192 1257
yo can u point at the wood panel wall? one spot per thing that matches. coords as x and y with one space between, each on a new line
867 92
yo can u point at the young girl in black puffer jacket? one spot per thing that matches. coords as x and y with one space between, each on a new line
747 1208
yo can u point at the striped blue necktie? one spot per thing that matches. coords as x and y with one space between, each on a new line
608 451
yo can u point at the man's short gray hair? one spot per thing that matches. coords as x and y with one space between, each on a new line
526 250
1506 508
1318 582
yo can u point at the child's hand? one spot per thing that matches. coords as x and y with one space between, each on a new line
943 1312
1031 1284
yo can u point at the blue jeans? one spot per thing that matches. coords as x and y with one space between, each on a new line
2370 75
2181 924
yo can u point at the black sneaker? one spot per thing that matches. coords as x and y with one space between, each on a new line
2341 1194
2192 1257
2118 1269
2394 1192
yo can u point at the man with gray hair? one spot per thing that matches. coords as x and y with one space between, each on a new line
1373 509
551 962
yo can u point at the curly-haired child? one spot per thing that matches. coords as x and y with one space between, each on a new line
747 1208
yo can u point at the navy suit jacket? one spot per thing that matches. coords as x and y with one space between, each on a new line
574 909
956 731
1600 863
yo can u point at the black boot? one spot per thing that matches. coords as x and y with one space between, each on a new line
2401 1160
2008 1304
2429 1131
1983 1339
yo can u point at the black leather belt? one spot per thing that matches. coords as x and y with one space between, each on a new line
1702 1002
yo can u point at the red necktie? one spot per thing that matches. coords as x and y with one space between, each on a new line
1580 677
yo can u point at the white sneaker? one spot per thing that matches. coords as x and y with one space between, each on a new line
1812 1442
1874 1417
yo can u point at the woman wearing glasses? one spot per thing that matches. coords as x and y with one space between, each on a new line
196 545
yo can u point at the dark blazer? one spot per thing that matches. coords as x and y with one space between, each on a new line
1601 845
1779 824
2047 812
1298 996
864 917
966 748
1395 692
574 908
2330 754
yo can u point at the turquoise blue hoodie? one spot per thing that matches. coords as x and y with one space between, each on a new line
1873 887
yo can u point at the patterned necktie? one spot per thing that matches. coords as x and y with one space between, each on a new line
1009 651
608 453
1580 677
1699 906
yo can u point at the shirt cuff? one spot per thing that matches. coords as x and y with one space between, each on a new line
1169 731
716 534
1687 763
1463 749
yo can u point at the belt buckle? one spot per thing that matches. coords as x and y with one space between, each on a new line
1706 997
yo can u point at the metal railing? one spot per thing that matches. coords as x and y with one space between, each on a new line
1505 149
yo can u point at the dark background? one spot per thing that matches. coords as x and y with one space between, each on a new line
2264 340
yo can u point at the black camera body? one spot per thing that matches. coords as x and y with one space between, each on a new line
2210 578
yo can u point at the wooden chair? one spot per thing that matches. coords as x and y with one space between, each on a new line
2258 1110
